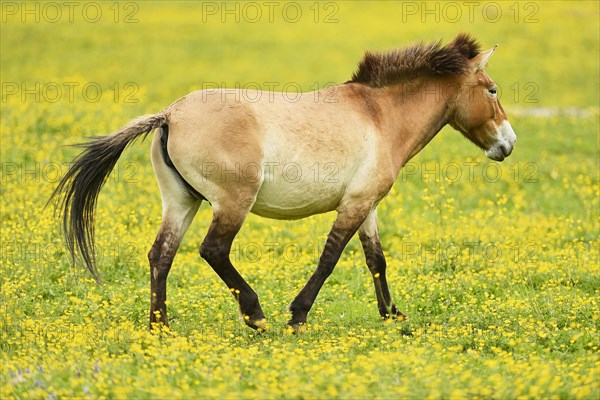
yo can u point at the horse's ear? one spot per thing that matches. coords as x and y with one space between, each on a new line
480 60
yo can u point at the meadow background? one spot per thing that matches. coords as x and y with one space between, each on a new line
495 264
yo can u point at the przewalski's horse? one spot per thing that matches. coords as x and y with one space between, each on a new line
228 150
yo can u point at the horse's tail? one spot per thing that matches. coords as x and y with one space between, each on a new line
79 188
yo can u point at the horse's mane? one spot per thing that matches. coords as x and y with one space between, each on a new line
382 69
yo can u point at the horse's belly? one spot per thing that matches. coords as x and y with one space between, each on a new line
293 200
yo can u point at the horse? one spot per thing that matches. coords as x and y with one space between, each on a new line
224 147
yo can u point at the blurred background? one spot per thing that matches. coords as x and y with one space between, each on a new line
512 314
548 54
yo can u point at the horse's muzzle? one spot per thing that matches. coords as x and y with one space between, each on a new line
505 143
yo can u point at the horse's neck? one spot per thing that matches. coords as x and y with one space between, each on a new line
415 112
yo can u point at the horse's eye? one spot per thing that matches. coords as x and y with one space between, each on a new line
492 91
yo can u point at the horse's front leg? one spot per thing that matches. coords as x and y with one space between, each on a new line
369 238
344 227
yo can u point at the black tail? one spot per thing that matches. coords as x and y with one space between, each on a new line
79 188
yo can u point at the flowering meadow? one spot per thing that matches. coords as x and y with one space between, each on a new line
496 265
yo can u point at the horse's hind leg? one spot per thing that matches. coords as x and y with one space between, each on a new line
176 219
215 249
179 209
369 237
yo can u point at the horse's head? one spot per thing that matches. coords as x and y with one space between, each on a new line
478 114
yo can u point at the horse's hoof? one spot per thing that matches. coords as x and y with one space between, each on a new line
397 315
393 314
294 328
258 324
158 326
400 317
161 330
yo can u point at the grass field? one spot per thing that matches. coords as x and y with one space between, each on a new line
495 264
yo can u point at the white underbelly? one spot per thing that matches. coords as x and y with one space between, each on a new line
282 199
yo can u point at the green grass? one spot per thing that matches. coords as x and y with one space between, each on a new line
497 269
